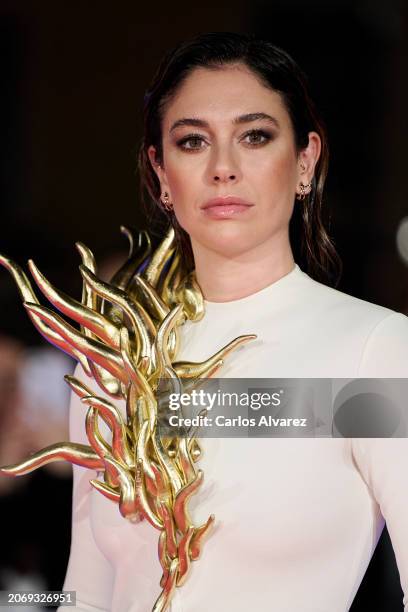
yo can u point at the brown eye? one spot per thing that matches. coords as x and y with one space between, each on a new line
192 142
256 137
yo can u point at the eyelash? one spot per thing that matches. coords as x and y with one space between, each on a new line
267 136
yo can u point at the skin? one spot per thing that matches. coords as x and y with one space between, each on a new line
241 255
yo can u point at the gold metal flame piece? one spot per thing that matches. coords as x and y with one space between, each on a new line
128 342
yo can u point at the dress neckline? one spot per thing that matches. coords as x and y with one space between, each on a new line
277 286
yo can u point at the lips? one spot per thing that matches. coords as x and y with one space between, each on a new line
225 201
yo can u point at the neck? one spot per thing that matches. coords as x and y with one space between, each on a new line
225 278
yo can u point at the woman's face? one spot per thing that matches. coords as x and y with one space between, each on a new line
227 136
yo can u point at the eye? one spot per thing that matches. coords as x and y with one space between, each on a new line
256 137
191 142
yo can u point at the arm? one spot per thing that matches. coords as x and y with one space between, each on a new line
385 353
383 462
89 573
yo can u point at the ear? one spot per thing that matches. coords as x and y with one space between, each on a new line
159 169
308 158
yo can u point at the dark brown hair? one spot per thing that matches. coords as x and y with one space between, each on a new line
312 247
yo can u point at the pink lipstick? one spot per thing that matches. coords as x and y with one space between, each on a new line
226 207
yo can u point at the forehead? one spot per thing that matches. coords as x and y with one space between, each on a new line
222 94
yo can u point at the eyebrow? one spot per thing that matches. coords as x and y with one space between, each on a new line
247 118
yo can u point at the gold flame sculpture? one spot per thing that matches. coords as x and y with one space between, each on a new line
127 341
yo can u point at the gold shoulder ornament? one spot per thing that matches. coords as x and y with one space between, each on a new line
127 341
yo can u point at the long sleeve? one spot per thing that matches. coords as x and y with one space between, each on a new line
383 462
385 353
88 573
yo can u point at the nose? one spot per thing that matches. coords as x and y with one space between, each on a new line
224 167
224 178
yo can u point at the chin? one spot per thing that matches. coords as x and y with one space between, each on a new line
231 246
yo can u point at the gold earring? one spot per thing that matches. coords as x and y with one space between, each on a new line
167 205
303 193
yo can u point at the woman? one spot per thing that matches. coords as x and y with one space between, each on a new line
235 155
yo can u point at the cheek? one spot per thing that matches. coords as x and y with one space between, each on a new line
278 169
182 176
274 181
184 184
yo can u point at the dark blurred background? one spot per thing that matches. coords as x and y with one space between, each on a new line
73 76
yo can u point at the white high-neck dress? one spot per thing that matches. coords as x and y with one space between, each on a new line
297 519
